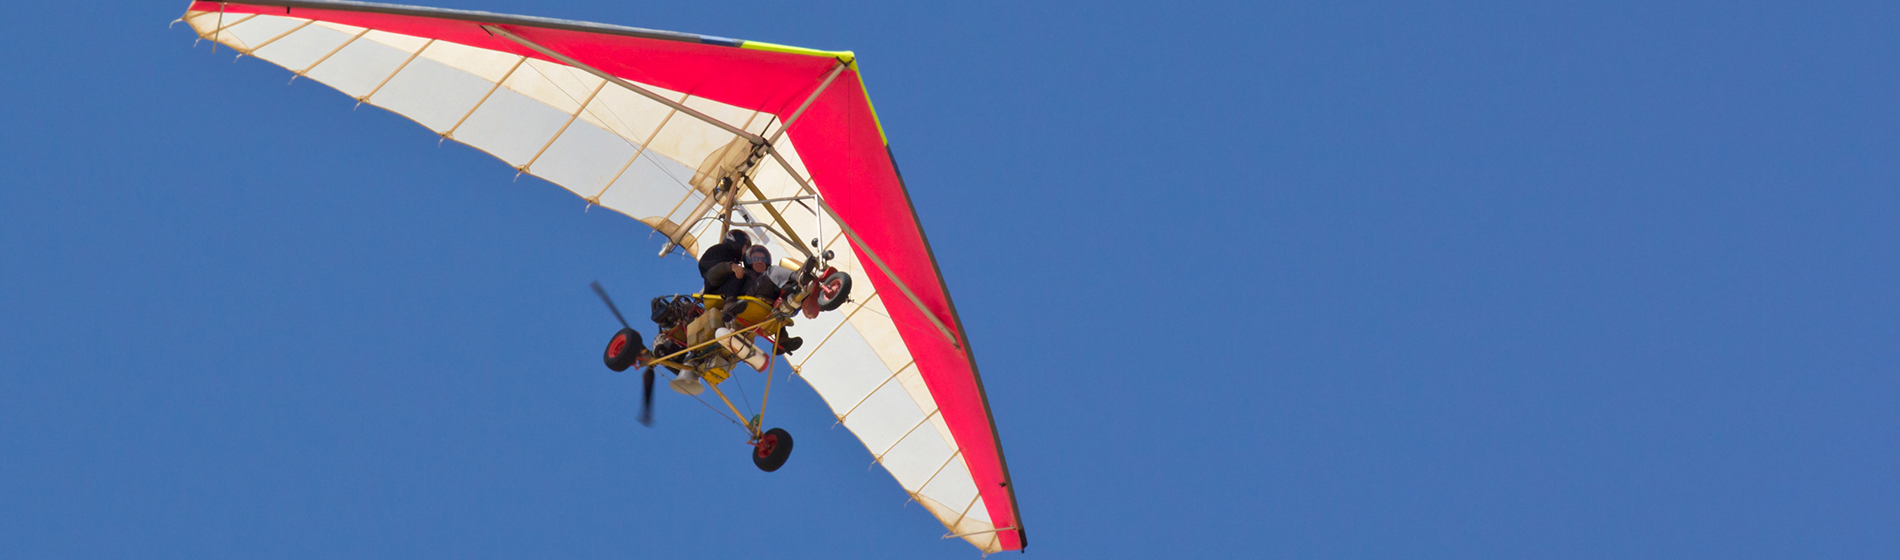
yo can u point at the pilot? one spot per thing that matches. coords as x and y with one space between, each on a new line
759 283
755 281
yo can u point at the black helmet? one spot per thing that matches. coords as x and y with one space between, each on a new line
758 253
738 236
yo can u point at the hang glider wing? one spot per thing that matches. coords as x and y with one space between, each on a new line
644 122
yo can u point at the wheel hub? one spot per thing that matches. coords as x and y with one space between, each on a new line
766 445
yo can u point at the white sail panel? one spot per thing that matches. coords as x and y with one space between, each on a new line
433 94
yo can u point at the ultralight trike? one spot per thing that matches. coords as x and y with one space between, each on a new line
695 344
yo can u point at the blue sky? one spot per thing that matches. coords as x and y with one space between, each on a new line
1323 280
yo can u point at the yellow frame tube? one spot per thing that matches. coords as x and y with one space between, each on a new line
735 410
769 367
713 341
767 397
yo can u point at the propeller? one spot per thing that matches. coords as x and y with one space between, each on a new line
602 292
646 379
646 398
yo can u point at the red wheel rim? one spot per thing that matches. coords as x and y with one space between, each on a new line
766 445
616 345
830 287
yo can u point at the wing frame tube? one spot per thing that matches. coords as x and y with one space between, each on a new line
833 75
791 237
859 242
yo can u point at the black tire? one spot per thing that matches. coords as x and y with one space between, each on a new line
772 449
833 291
623 350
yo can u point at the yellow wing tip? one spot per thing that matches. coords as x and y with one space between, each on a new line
849 58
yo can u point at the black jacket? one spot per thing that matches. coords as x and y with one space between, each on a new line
761 286
725 252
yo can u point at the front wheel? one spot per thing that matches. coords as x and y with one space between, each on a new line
772 449
833 290
623 350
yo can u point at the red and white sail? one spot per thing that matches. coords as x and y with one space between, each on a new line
536 93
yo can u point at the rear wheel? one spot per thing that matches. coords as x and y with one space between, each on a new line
623 350
773 448
833 291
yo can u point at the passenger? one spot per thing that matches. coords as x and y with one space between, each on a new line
723 272
722 264
730 249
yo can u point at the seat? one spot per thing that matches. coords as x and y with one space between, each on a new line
760 309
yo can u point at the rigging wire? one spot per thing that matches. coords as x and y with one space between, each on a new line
721 414
743 399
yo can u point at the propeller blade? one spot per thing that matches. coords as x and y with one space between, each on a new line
610 304
646 398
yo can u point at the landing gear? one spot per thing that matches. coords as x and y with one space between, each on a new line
624 349
702 366
833 290
772 449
